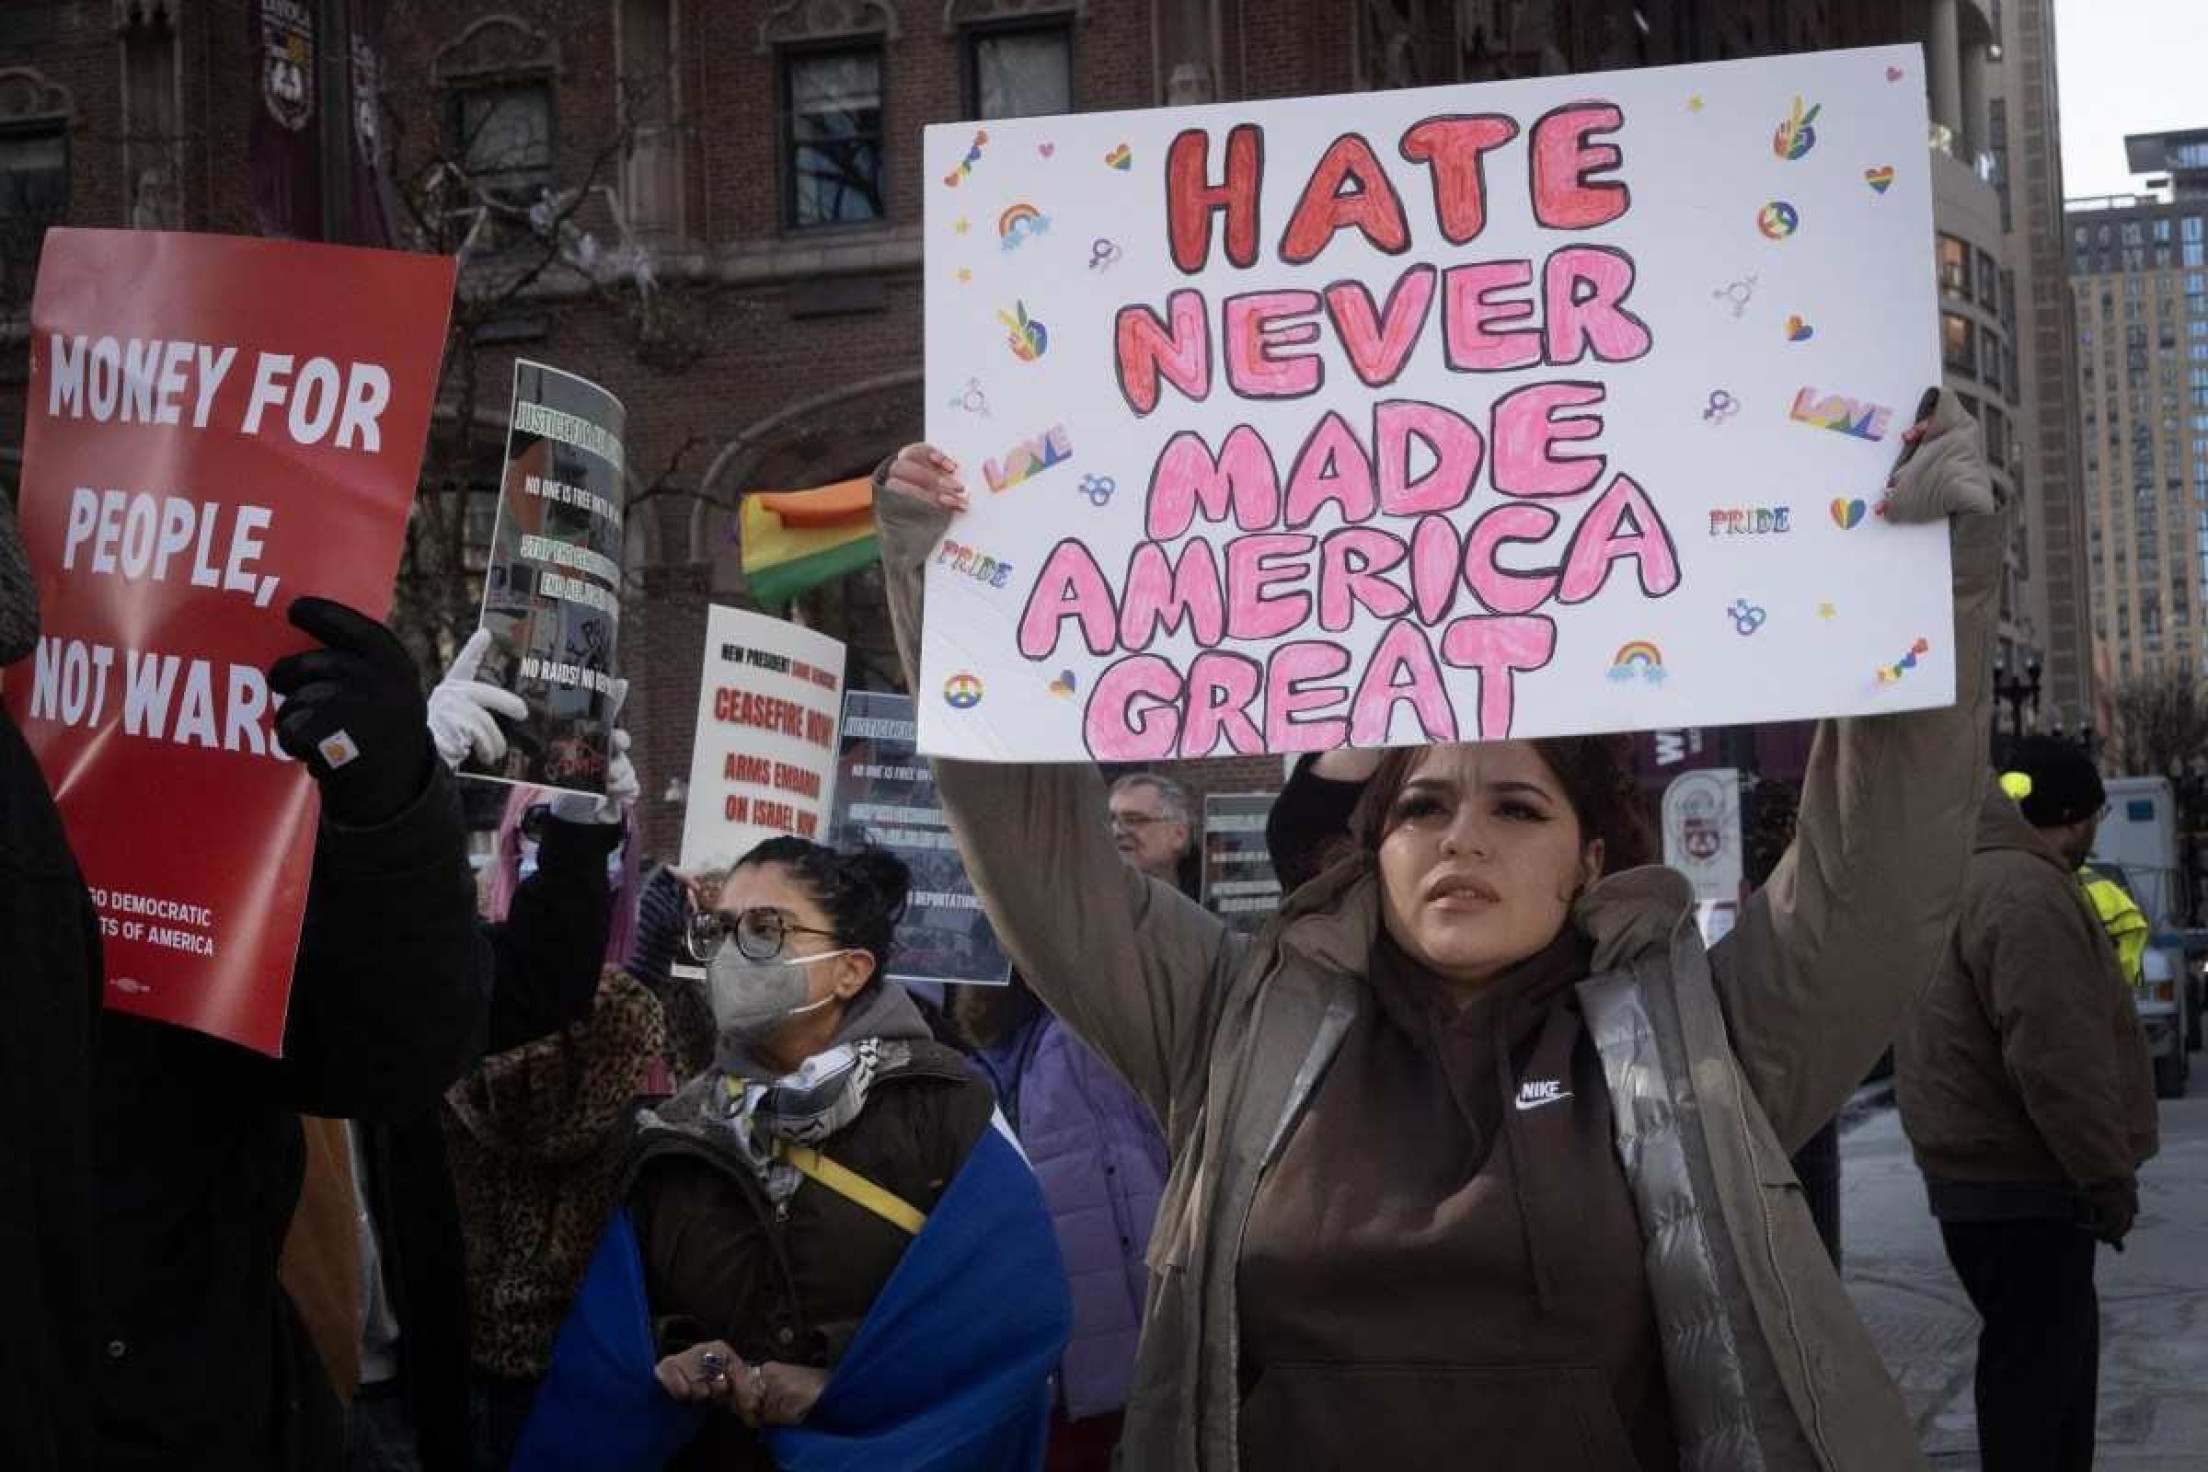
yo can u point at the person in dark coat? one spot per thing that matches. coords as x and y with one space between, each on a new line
411 1407
202 1361
2027 1093
774 1195
49 1014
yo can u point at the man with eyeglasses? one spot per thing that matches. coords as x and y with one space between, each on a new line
2027 1094
1150 824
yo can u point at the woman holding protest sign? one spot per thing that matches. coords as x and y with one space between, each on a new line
832 1144
1477 1145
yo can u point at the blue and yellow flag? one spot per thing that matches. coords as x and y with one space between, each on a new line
949 1372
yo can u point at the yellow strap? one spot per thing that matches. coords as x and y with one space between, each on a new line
855 1188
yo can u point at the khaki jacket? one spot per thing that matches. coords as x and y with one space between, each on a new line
2026 1063
1719 1063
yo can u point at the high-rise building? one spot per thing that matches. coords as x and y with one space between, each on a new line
2004 327
2140 282
2023 133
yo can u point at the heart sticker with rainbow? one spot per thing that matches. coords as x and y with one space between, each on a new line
1847 514
1880 179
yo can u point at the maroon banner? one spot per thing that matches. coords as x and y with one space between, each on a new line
282 148
215 427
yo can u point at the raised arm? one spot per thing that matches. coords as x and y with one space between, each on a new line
1843 939
1308 827
390 989
1132 965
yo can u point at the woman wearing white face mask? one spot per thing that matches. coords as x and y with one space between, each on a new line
774 1195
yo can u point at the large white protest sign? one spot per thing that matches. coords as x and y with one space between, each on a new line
764 763
1530 408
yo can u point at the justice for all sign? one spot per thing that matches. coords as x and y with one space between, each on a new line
215 428
1518 409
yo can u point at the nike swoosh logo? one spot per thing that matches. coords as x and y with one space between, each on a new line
1526 1104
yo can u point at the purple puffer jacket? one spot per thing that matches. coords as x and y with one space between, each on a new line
1101 1161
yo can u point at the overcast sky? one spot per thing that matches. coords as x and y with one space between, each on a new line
2126 66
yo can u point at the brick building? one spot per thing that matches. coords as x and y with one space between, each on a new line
713 209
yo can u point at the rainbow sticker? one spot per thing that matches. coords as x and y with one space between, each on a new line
1795 136
1639 659
1837 412
1019 222
962 691
966 165
1027 338
1778 219
1890 673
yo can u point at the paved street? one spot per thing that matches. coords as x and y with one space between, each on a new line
2154 1300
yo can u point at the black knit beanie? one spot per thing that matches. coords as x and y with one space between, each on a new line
2065 785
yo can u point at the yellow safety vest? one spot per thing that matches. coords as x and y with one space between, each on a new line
2121 917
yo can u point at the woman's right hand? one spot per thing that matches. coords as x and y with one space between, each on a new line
925 473
712 1374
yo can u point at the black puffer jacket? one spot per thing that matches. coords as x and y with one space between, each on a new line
198 1155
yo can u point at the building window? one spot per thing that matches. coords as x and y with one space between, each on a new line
502 133
1019 72
834 143
1954 266
1958 343
652 172
1989 281
151 134
34 193
1997 437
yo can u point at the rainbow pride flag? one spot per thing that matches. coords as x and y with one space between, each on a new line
793 541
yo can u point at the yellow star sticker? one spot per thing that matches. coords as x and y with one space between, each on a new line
961 225
1826 610
1694 103
964 274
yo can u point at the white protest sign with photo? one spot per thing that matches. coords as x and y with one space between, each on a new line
764 762
1525 408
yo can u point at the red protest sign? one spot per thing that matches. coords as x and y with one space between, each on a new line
215 427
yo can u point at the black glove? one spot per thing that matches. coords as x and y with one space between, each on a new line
2108 1210
353 712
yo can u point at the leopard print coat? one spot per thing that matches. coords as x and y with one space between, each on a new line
537 1137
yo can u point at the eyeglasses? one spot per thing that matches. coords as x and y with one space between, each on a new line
760 933
1132 822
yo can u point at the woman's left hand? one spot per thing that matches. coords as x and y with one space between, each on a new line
1945 473
782 1395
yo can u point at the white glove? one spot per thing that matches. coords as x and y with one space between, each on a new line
622 787
461 709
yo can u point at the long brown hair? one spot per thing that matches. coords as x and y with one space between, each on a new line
1596 773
